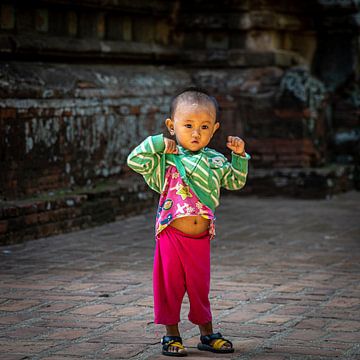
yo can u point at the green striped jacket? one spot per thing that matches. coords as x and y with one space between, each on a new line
205 171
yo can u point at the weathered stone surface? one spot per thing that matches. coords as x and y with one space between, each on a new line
75 131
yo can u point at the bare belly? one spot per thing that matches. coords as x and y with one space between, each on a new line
192 225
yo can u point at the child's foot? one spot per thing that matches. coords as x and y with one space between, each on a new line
172 346
215 343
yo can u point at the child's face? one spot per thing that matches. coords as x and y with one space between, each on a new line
194 124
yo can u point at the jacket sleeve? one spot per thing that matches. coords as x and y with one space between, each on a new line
235 174
146 159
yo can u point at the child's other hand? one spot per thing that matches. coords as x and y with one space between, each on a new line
236 144
170 146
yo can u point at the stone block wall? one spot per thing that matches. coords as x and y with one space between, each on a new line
81 131
77 124
82 83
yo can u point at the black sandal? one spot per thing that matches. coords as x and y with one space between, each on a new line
216 346
176 341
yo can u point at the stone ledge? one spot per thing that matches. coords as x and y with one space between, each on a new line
68 210
63 47
305 183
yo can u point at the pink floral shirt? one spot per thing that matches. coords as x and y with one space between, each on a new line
178 200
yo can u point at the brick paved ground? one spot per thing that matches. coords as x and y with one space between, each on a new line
285 285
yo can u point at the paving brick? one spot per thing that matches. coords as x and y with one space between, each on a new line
304 350
61 357
18 305
56 307
12 357
146 301
344 302
312 324
126 311
109 288
218 304
304 335
92 309
14 318
337 325
238 316
259 307
122 299
274 319
121 351
291 310
26 332
80 349
79 286
73 321
67 334
251 330
269 357
24 347
352 337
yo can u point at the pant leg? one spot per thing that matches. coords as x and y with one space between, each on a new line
194 251
168 279
197 269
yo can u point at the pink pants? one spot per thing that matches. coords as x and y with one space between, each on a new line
181 264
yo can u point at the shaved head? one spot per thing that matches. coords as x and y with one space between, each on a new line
194 96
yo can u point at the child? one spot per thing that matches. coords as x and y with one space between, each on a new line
188 175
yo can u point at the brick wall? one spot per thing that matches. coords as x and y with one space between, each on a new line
83 82
76 124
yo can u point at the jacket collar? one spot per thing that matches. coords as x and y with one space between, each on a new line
184 151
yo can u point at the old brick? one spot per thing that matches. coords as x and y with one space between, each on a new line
24 347
31 219
274 319
7 20
316 323
43 217
7 113
337 325
26 332
305 335
303 350
3 226
81 349
18 305
244 315
11 211
351 337
124 350
14 319
42 20
92 309
67 334
56 307
343 302
269 357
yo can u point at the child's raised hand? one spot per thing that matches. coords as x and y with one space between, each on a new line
170 146
236 144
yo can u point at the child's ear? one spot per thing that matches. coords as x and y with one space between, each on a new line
216 126
170 125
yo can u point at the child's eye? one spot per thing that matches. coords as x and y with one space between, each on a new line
205 127
188 125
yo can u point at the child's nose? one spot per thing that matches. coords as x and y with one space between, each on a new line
196 133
